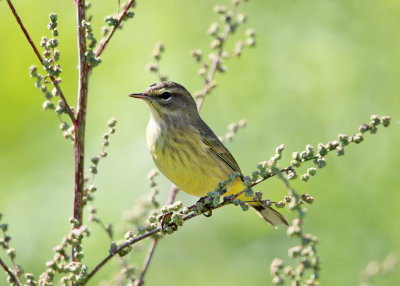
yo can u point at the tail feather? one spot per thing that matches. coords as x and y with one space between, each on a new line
270 215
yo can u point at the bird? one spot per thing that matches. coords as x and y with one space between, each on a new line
187 151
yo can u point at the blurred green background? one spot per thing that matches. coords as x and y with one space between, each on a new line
320 68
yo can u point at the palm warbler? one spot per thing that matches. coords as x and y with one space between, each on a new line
187 151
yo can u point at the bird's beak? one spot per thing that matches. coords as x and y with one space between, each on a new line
140 96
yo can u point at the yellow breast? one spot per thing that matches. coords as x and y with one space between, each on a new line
182 157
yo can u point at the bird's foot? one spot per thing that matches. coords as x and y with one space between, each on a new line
203 205
167 224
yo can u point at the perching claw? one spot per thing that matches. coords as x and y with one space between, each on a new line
166 223
173 226
165 226
204 206
207 213
164 217
164 220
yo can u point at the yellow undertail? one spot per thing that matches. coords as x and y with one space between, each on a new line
270 215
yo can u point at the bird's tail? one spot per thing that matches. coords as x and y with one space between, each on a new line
268 214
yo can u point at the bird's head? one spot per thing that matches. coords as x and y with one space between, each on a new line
168 100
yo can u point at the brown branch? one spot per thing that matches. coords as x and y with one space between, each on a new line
53 79
12 276
174 191
114 28
147 260
81 115
153 245
123 246
24 30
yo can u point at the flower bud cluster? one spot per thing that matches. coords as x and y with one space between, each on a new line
154 66
375 268
90 188
91 41
93 169
111 21
11 253
306 272
154 190
51 56
230 20
337 145
233 128
114 247
74 272
52 26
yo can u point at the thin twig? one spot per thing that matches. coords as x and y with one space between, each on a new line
174 191
24 30
53 79
114 28
123 246
300 210
217 58
154 243
13 263
12 276
147 260
284 170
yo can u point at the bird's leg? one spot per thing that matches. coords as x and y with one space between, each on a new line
165 217
166 222
203 205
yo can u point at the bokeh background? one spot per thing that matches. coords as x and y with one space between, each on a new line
320 68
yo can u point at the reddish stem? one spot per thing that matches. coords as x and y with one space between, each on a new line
153 245
53 79
13 278
147 260
216 60
114 28
80 122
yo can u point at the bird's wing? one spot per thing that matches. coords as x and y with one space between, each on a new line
215 146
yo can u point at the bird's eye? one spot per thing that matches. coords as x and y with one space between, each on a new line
166 95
